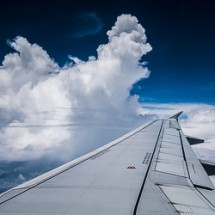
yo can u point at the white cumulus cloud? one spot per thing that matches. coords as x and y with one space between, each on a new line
48 110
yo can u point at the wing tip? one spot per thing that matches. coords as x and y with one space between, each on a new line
175 116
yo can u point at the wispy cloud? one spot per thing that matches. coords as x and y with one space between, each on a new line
90 24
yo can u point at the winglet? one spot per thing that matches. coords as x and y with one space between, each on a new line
176 115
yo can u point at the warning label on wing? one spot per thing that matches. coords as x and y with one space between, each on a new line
147 158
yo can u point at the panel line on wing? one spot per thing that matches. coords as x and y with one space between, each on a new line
147 172
170 157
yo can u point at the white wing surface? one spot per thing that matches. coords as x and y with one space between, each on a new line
151 170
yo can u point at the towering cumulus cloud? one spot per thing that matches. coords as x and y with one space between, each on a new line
56 111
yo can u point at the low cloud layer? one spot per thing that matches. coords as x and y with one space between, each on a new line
198 120
48 110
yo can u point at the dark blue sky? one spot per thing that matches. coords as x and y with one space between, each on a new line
182 34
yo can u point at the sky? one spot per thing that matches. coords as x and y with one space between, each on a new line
74 75
180 32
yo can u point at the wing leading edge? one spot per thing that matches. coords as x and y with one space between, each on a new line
151 170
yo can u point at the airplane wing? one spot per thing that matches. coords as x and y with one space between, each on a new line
151 170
